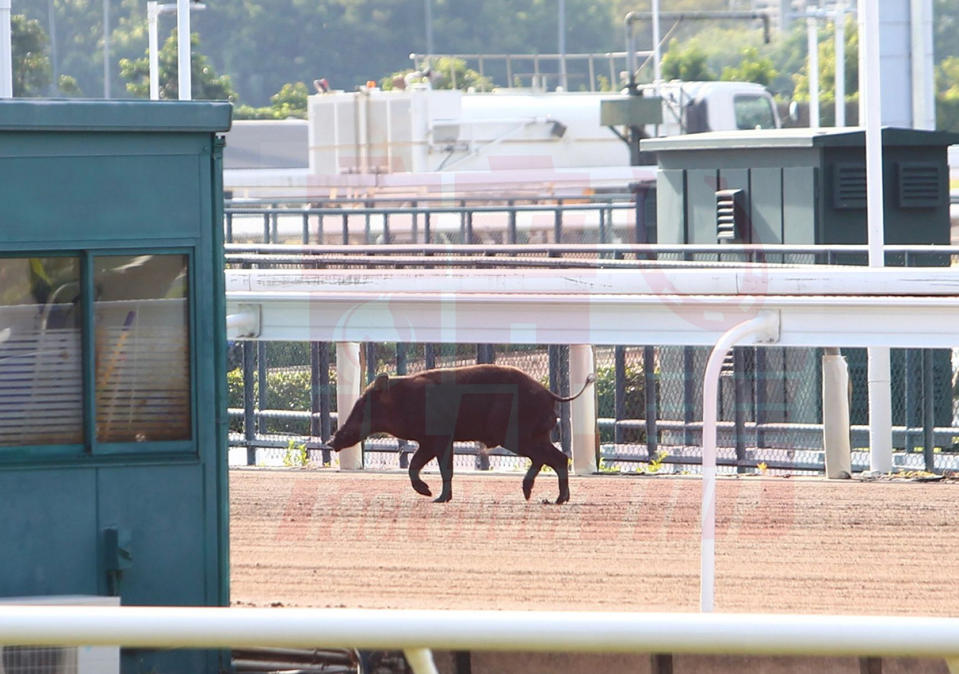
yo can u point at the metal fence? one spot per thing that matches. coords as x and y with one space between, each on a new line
649 397
598 219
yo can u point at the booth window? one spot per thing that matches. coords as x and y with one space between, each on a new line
41 373
142 348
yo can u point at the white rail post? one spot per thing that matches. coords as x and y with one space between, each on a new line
349 386
764 328
839 38
153 14
812 61
835 414
184 65
870 110
582 411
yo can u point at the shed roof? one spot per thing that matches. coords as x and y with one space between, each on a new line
114 115
797 138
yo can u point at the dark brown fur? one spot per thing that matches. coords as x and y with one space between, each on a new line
490 404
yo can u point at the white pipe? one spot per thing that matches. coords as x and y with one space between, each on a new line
921 57
566 631
814 280
880 396
349 385
6 51
106 48
840 64
184 73
812 65
582 410
763 328
657 58
153 13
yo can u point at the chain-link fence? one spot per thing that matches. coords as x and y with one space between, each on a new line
649 397
649 404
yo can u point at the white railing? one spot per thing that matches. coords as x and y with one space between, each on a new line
797 306
564 631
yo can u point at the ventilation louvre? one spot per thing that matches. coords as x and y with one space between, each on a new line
730 216
920 185
849 186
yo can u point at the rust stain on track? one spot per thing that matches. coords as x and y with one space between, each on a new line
329 539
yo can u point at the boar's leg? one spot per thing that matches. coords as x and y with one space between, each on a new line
444 457
420 458
530 478
547 453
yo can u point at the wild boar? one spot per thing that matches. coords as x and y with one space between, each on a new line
495 405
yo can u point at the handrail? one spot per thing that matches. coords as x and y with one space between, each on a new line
565 631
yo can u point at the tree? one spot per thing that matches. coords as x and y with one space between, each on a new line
31 65
445 73
685 63
827 73
947 96
752 68
206 84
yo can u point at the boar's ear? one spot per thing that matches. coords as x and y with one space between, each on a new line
381 383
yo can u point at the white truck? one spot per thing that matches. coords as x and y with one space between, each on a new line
426 141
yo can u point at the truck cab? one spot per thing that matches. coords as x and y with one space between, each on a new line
695 107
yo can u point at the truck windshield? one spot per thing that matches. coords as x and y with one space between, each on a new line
753 112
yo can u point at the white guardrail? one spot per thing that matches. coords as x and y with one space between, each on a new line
797 306
567 631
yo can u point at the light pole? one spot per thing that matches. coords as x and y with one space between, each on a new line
154 10
428 11
6 51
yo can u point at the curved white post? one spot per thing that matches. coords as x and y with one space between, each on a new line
420 660
763 328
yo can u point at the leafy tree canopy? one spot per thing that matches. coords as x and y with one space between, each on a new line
442 73
31 65
205 83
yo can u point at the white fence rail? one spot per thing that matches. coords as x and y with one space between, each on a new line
564 631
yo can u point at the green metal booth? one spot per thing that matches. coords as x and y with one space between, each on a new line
808 187
113 449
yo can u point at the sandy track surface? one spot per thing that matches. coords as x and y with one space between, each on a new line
329 539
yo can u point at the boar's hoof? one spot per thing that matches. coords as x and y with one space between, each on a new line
421 487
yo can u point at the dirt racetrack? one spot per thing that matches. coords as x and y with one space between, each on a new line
784 545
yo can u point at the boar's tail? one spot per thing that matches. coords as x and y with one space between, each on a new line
589 380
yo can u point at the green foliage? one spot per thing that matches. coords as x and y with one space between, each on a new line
685 63
296 455
445 73
947 100
31 65
287 390
827 70
752 68
206 84
634 401
290 100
